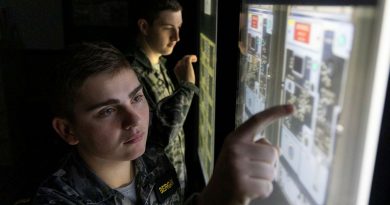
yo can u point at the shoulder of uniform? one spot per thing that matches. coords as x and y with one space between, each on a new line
139 61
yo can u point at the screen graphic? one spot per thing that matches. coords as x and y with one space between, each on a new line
317 50
206 105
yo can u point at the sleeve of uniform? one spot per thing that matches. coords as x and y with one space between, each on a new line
171 112
52 198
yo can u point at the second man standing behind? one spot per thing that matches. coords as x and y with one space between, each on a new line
159 23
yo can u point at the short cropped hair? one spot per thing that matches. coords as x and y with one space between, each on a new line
150 9
80 62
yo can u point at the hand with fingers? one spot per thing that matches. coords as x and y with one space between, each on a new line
245 169
184 70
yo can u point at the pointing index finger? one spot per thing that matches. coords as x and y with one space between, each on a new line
261 120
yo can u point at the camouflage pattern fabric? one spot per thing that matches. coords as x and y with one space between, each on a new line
171 108
76 184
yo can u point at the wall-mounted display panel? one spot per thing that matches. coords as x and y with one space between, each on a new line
323 59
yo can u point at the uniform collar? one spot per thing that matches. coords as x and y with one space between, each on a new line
142 59
84 178
148 168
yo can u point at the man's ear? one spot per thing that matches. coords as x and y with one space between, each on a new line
63 128
143 26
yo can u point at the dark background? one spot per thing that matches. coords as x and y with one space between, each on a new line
32 37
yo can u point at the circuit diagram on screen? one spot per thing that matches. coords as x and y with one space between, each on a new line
317 50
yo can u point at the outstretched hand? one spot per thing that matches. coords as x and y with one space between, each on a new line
184 70
245 169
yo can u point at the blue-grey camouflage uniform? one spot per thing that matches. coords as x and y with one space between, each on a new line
76 184
172 106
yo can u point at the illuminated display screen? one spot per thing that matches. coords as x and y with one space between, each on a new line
206 105
309 69
317 50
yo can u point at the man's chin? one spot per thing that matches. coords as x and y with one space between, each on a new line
137 154
167 52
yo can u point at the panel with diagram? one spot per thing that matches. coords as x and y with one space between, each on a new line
206 105
317 50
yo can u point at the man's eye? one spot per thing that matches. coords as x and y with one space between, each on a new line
138 98
106 112
169 28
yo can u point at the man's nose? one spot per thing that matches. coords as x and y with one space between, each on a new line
131 118
176 35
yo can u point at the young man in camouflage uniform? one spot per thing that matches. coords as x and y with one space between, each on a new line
159 23
100 109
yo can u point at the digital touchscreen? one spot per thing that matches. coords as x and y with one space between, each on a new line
317 50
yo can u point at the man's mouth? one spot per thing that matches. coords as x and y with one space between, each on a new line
134 138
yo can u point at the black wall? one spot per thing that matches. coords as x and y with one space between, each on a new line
37 32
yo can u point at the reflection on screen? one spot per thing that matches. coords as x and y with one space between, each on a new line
255 62
317 50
